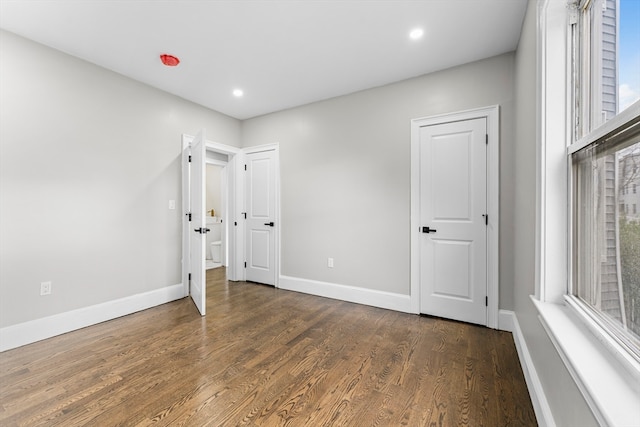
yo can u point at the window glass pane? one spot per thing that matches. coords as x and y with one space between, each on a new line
628 53
615 46
607 233
606 62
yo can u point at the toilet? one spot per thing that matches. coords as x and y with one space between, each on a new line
216 251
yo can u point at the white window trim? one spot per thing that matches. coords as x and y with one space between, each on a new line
609 381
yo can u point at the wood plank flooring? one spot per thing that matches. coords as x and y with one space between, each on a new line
267 357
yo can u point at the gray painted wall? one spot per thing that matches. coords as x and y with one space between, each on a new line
566 402
89 160
345 173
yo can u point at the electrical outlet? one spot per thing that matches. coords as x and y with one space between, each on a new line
172 204
330 262
45 288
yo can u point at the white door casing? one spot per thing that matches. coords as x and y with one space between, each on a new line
197 230
454 191
261 219
231 227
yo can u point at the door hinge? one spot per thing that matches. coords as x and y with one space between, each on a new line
486 301
189 158
245 214
189 277
235 223
189 214
245 264
245 167
486 139
486 219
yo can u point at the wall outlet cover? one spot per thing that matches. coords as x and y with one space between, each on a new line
45 288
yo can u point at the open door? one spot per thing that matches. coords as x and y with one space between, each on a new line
197 227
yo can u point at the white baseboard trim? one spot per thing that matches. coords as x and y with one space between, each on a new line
538 398
381 299
36 330
505 320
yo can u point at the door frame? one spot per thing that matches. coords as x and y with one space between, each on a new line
241 196
492 116
234 268
235 207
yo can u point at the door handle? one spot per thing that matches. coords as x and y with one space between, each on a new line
201 230
270 224
428 230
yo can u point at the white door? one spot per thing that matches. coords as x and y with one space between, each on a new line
197 228
453 232
261 215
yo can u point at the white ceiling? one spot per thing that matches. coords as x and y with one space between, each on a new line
281 53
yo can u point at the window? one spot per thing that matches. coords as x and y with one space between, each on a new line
604 370
605 153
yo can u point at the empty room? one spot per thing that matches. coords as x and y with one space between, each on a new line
320 212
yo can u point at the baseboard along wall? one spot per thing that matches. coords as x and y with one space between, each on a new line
538 397
380 299
36 330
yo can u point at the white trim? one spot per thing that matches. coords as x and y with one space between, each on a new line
239 208
610 390
536 391
506 320
599 330
492 115
632 112
260 148
215 162
552 191
212 145
381 299
39 329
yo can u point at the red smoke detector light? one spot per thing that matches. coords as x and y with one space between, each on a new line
169 60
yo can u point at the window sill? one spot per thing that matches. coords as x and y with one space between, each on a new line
609 383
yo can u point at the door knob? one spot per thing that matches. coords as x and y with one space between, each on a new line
201 230
270 224
428 230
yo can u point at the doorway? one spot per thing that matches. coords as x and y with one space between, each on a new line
216 213
455 216
238 251
196 153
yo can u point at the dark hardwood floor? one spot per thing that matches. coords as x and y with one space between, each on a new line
267 357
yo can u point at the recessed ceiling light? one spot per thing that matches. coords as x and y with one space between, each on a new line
238 93
169 60
416 34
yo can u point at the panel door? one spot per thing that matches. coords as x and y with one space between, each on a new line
453 232
260 224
